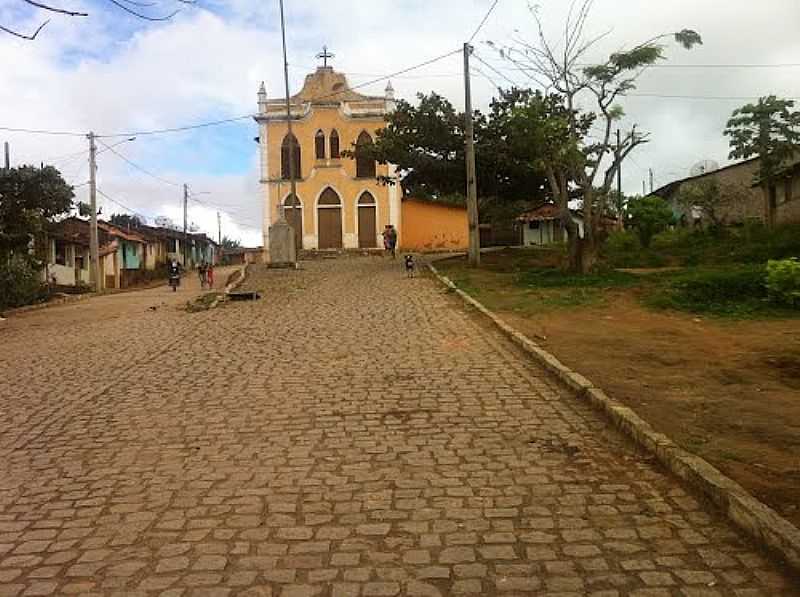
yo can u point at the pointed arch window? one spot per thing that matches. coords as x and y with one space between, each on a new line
319 145
335 155
329 197
365 166
290 151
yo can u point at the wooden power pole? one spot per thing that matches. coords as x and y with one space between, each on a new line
472 192
219 230
94 245
619 164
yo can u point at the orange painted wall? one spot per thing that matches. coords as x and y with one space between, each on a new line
428 226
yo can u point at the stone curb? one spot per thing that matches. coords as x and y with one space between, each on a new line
765 526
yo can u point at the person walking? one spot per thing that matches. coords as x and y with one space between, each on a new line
392 236
390 239
210 275
201 272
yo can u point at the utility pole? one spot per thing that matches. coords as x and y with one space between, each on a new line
219 230
644 189
185 221
651 180
94 248
292 150
472 193
8 156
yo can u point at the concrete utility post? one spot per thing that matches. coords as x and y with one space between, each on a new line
94 248
292 149
219 230
472 192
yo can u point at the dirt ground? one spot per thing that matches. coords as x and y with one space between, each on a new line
727 390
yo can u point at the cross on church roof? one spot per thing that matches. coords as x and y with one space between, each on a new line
325 55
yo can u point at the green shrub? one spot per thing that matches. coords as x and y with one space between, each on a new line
623 249
20 282
732 291
783 281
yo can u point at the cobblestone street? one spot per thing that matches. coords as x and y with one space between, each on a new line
353 433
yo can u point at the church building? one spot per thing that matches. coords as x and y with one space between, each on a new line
340 203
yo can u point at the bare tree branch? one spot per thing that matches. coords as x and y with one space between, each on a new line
22 35
58 10
141 16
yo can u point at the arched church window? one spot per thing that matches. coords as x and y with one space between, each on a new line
319 145
365 165
290 152
335 145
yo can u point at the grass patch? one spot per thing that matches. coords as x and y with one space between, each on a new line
555 278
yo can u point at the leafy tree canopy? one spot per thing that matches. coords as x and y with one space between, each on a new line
230 243
426 142
649 216
769 129
127 220
29 198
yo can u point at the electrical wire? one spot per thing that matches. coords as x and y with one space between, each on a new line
493 69
41 132
122 205
483 22
141 169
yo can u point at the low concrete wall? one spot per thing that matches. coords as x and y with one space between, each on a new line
765 526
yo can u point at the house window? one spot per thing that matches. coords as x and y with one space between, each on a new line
60 252
319 145
290 152
533 224
365 166
335 145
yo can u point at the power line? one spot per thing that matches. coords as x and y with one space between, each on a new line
699 97
122 205
483 22
389 76
482 61
144 170
179 128
41 132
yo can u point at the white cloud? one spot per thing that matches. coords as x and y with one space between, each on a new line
94 74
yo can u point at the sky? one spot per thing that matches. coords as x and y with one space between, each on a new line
114 74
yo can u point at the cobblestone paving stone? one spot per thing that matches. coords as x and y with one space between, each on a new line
354 433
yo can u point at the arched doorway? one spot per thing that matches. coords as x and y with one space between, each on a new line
329 220
367 225
293 211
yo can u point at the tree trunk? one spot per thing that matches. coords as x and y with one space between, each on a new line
769 206
583 253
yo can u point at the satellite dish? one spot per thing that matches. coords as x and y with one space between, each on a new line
703 167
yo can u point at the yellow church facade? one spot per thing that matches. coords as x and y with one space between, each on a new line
340 202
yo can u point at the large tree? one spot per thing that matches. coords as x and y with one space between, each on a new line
426 142
579 160
30 197
769 129
130 221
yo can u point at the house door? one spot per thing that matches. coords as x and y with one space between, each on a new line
367 226
329 220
